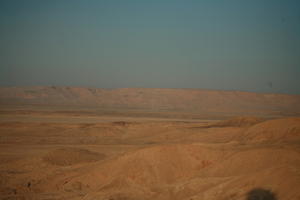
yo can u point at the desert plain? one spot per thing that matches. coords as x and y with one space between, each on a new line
145 144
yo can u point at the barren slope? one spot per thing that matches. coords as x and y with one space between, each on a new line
150 160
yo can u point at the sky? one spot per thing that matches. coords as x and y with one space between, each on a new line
208 44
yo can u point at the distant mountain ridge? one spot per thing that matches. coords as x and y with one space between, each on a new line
187 100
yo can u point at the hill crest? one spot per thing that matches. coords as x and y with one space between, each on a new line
155 99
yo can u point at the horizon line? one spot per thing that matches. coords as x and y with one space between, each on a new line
116 88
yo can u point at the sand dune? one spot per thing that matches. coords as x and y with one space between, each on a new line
279 130
169 171
237 122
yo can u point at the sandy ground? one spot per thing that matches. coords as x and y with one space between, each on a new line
62 156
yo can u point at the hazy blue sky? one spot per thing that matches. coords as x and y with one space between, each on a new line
251 45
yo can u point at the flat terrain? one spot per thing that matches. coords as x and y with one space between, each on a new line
57 152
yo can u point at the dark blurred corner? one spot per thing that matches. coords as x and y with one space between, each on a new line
261 194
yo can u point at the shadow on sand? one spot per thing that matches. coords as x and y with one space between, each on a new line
261 194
